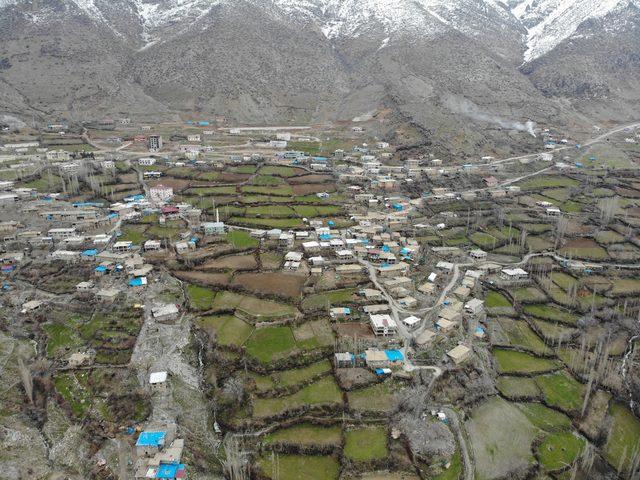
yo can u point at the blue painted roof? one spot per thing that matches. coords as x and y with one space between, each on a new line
203 123
480 330
136 282
320 159
386 248
90 253
325 236
101 268
379 371
169 470
394 355
151 439
331 223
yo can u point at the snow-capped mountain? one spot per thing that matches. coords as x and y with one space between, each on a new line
267 60
549 22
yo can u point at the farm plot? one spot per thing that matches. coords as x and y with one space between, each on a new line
281 171
267 222
538 244
305 434
271 343
232 262
501 437
203 278
252 306
583 248
200 298
514 362
313 334
548 181
241 239
562 391
564 281
294 376
272 283
323 392
624 287
529 295
383 393
606 237
553 332
545 418
559 450
519 334
551 313
498 304
623 441
485 240
366 444
226 329
517 388
270 211
328 299
300 467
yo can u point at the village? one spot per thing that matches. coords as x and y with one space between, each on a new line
197 300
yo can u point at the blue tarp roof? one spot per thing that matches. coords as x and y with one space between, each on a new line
113 215
320 159
203 123
325 236
150 439
331 223
90 253
101 268
379 371
386 248
394 355
480 330
169 470
136 282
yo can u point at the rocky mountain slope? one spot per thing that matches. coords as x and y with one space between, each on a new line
441 64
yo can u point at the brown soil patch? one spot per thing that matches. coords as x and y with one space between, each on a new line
175 183
281 284
203 278
350 378
229 177
357 330
310 179
233 262
307 188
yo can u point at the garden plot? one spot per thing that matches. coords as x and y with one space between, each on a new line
538 244
283 223
623 252
519 334
624 287
323 392
241 239
312 178
271 260
226 329
285 285
281 171
299 467
270 211
606 237
548 181
501 437
564 281
365 444
514 362
306 434
545 418
271 343
562 391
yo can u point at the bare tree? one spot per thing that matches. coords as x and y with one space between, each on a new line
27 379
236 463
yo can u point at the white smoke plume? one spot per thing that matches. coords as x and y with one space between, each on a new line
469 109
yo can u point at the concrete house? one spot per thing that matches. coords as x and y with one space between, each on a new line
383 325
165 313
459 354
158 381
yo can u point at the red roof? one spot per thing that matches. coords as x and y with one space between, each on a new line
170 209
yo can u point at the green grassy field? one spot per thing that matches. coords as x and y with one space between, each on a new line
281 171
623 441
511 361
331 298
300 467
200 298
551 313
227 329
366 444
559 450
270 343
306 434
323 392
267 222
561 390
495 299
517 387
519 334
241 239
383 393
529 295
545 418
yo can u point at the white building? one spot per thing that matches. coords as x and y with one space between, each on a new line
383 325
513 274
147 161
